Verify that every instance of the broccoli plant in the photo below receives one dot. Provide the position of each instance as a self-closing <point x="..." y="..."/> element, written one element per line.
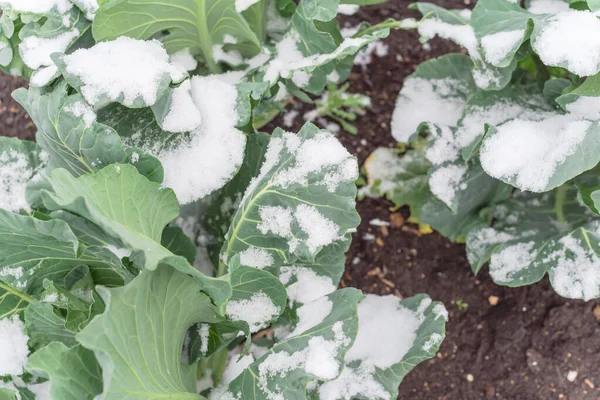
<point x="154" y="243"/>
<point x="505" y="141"/>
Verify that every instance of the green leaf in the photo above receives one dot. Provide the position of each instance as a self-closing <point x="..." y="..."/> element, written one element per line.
<point x="12" y="301"/>
<point x="272" y="220"/>
<point x="589" y="87"/>
<point x="129" y="207"/>
<point x="43" y="326"/>
<point x="534" y="234"/>
<point x="32" y="250"/>
<point x="63" y="366"/>
<point x="422" y="331"/>
<point x="21" y="162"/>
<point x="263" y="380"/>
<point x="68" y="140"/>
<point x="146" y="363"/>
<point x="177" y="242"/>
<point x="194" y="24"/>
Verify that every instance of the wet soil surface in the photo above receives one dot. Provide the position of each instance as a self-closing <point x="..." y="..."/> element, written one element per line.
<point x="502" y="343"/>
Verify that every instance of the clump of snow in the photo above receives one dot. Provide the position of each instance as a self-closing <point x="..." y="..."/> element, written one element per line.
<point x="378" y="222"/>
<point x="257" y="258"/>
<point x="483" y="239"/>
<point x="460" y="34"/>
<point x="257" y="311"/>
<point x="386" y="331"/>
<point x="577" y="270"/>
<point x="547" y="6"/>
<point x="443" y="147"/>
<point x="365" y="56"/>
<point x="382" y="166"/>
<point x="433" y="340"/>
<point x="321" y="231"/>
<point x="125" y="67"/>
<point x="570" y="39"/>
<point x="445" y="181"/>
<point x="184" y="60"/>
<point x="312" y="314"/>
<point x="89" y="7"/>
<point x="42" y="76"/>
<point x="275" y="219"/>
<point x="13" y="342"/>
<point x="84" y="110"/>
<point x="585" y="107"/>
<point x="511" y="260"/>
<point x="15" y="173"/>
<point x="530" y="151"/>
<point x="289" y="118"/>
<point x="35" y="51"/>
<point x="308" y="287"/>
<point x="216" y="149"/>
<point x="498" y="45"/>
<point x="348" y="9"/>
<point x="313" y="155"/>
<point x="421" y="100"/>
<point x="204" y="333"/>
<point x="183" y="115"/>
<point x="39" y="6"/>
<point x="354" y="382"/>
<point x="241" y="5"/>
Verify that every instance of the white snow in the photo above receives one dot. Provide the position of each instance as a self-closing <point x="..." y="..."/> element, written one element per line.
<point x="183" y="115"/>
<point x="460" y="34"/>
<point x="15" y="173"/>
<point x="289" y="118"/>
<point x="84" y="110"/>
<point x="42" y="76"/>
<point x="235" y="367"/>
<point x="378" y="222"/>
<point x="433" y="340"/>
<point x="354" y="382"/>
<point x="321" y="231"/>
<point x="382" y="166"/>
<point x="511" y="260"/>
<point x="571" y="39"/>
<point x="39" y="6"/>
<point x="386" y="331"/>
<point x="365" y="56"/>
<point x="498" y="45"/>
<point x="257" y="311"/>
<point x="89" y="7"/>
<point x="445" y="181"/>
<point x="443" y="147"/>
<point x="308" y="286"/>
<point x="13" y="342"/>
<point x="204" y="332"/>
<point x="313" y="155"/>
<point x="36" y="51"/>
<point x="426" y="100"/>
<point x="184" y="60"/>
<point x="348" y="9"/>
<point x="312" y="314"/>
<point x="241" y="5"/>
<point x="133" y="69"/>
<point x="275" y="219"/>
<point x="216" y="149"/>
<point x="586" y="107"/>
<point x="547" y="6"/>
<point x="257" y="258"/>
<point x="530" y="151"/>
<point x="577" y="271"/>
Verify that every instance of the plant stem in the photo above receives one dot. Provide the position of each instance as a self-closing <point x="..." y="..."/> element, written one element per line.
<point x="392" y="24"/>
<point x="559" y="202"/>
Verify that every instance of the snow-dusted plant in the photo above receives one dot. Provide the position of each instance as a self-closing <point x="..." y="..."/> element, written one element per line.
<point x="110" y="289"/>
<point x="506" y="141"/>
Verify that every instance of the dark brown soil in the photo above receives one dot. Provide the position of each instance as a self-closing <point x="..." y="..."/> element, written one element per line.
<point x="523" y="347"/>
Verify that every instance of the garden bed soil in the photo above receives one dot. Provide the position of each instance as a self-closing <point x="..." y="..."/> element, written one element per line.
<point x="519" y="344"/>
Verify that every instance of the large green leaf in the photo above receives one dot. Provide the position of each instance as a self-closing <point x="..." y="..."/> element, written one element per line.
<point x="300" y="208"/>
<point x="74" y="373"/>
<point x="139" y="339"/>
<point x="285" y="370"/>
<point x="20" y="162"/>
<point x="535" y="234"/>
<point x="32" y="250"/>
<point x="194" y="24"/>
<point x="415" y="329"/>
<point x="128" y="206"/>
<point x="70" y="142"/>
